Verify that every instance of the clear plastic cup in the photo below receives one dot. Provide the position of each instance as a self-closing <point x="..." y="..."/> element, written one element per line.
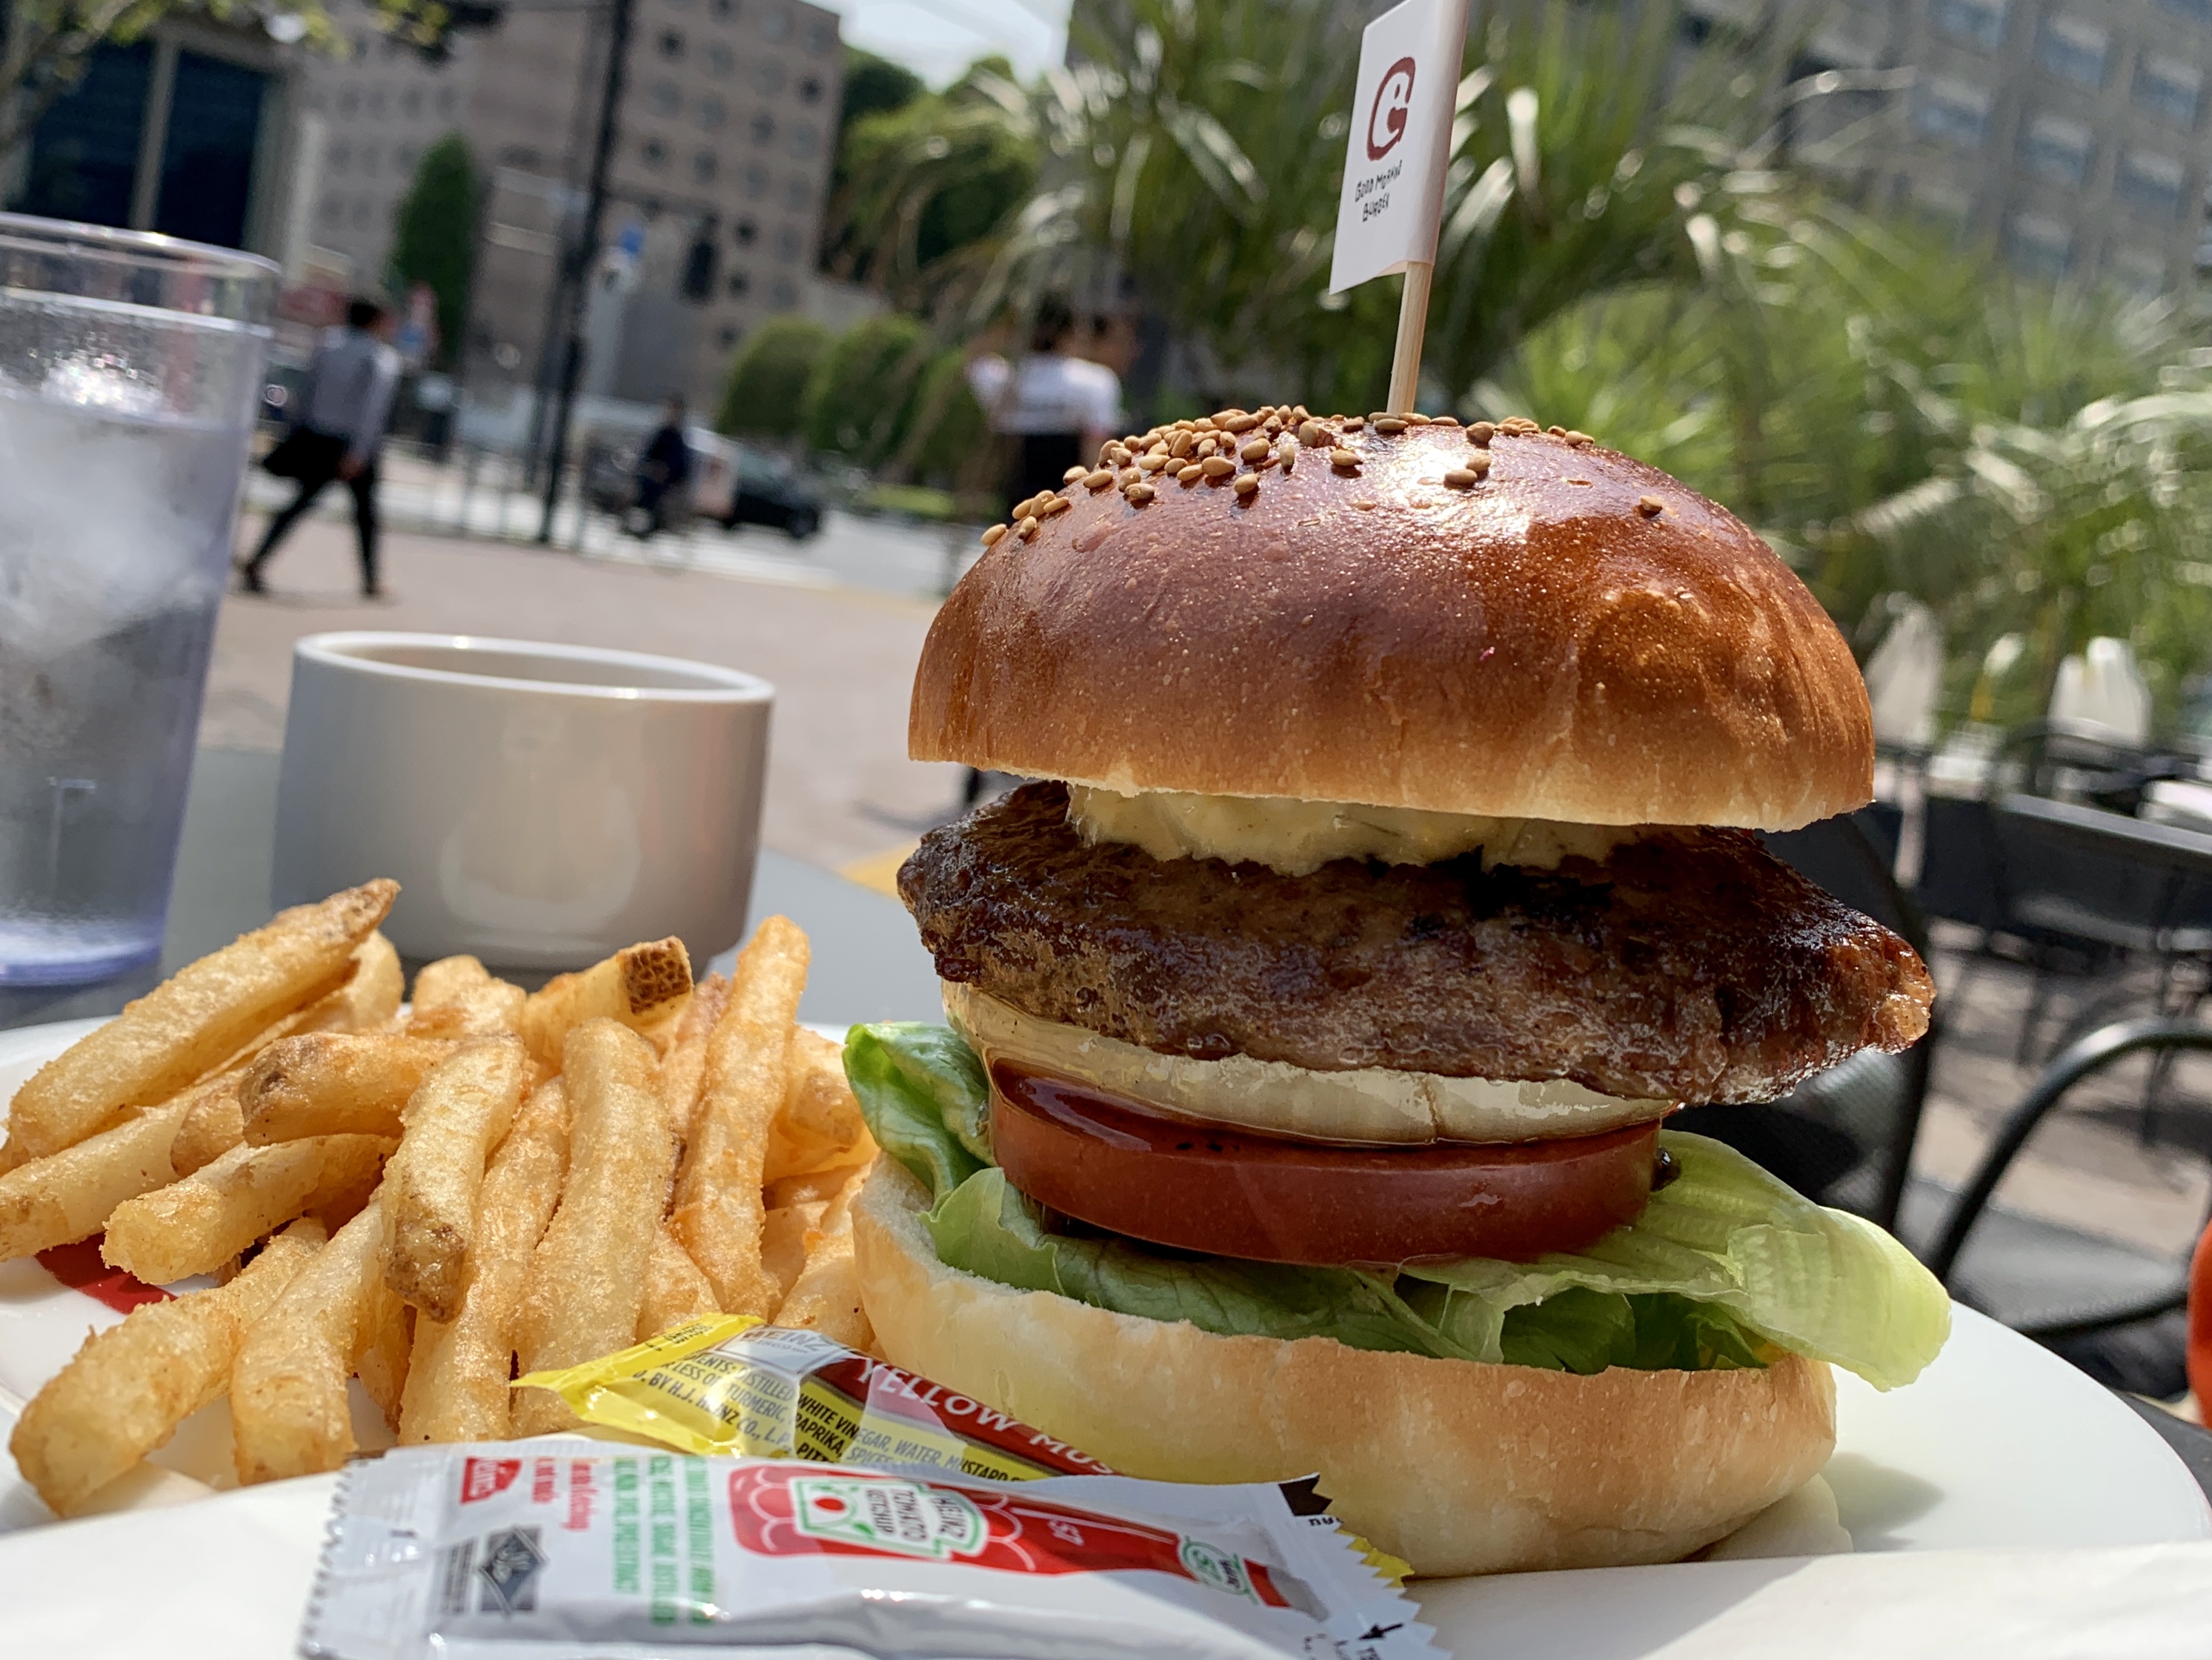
<point x="131" y="369"/>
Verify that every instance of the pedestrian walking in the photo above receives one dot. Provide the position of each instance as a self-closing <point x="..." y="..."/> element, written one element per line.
<point x="664" y="469"/>
<point x="1054" y="407"/>
<point x="343" y="408"/>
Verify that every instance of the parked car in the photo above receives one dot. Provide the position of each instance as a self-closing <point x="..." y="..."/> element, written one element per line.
<point x="731" y="483"/>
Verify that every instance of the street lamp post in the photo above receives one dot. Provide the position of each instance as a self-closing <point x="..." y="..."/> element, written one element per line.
<point x="576" y="273"/>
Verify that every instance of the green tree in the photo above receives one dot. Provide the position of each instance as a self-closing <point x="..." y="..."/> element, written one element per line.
<point x="434" y="236"/>
<point x="860" y="400"/>
<point x="766" y="393"/>
<point x="948" y="440"/>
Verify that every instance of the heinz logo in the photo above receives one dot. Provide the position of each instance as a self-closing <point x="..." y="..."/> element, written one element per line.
<point x="1386" y="120"/>
<point x="482" y="1477"/>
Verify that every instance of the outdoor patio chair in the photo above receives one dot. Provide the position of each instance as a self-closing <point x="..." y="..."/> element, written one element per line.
<point x="1843" y="1136"/>
<point x="2110" y="1305"/>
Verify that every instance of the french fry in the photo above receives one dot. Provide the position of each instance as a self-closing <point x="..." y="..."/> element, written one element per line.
<point x="387" y="1334"/>
<point x="826" y="1297"/>
<point x="288" y="1411"/>
<point x="334" y="1083"/>
<point x="820" y="1126"/>
<point x="196" y="1225"/>
<point x="675" y="1289"/>
<point x="641" y="986"/>
<point x="367" y="1001"/>
<point x="718" y="1215"/>
<point x="458" y="997"/>
<point x="815" y="1187"/>
<point x="131" y="1386"/>
<point x="71" y="1194"/>
<point x="783" y="1241"/>
<point x="457" y="1374"/>
<point x="586" y="1276"/>
<point x="684" y="1065"/>
<point x="195" y="1020"/>
<point x="453" y="1121"/>
<point x="213" y="1124"/>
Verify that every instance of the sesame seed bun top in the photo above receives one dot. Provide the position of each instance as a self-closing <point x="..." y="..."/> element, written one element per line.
<point x="1498" y="621"/>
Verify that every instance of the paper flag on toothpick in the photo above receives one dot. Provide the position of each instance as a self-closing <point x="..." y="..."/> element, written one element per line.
<point x="1400" y="141"/>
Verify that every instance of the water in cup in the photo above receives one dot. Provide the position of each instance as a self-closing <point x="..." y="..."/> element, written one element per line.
<point x="123" y="429"/>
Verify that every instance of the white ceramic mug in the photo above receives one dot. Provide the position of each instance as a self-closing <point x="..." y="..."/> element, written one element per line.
<point x="540" y="805"/>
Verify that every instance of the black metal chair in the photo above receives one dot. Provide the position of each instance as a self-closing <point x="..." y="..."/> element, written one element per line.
<point x="2110" y="1305"/>
<point x="1843" y="1136"/>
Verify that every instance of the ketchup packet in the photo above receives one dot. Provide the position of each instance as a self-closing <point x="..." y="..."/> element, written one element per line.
<point x="573" y="1549"/>
<point x="728" y="1384"/>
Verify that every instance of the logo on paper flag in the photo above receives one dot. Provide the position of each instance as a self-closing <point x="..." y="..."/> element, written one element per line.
<point x="1401" y="140"/>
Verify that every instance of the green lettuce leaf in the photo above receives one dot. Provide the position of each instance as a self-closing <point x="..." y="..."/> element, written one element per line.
<point x="1725" y="1268"/>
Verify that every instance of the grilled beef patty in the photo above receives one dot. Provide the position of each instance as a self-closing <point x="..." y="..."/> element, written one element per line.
<point x="1690" y="965"/>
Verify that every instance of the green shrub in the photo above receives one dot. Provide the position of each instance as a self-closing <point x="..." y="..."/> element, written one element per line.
<point x="863" y="392"/>
<point x="766" y="393"/>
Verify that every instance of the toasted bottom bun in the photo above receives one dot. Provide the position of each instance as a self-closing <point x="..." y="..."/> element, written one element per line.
<point x="1455" y="1466"/>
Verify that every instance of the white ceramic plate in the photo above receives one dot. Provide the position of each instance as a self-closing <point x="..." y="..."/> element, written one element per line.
<point x="1999" y="1443"/>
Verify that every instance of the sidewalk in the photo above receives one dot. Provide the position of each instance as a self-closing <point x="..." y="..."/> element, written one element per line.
<point x="841" y="659"/>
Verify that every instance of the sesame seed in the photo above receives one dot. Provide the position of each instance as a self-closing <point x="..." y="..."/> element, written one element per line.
<point x="1365" y="503"/>
<point x="1151" y="460"/>
<point x="1353" y="422"/>
<point x="1181" y="444"/>
<point x="1482" y="432"/>
<point x="1312" y="433"/>
<point x="1074" y="473"/>
<point x="1477" y="462"/>
<point x="1649" y="505"/>
<point x="1265" y="462"/>
<point x="1098" y="480"/>
<point x="1248" y="486"/>
<point x="1059" y="504"/>
<point x="1027" y="530"/>
<point x="1389" y="425"/>
<point x="1241" y="423"/>
<point x="1217" y="466"/>
<point x="992" y="535"/>
<point x="1581" y="441"/>
<point x="1556" y="432"/>
<point x="1287" y="453"/>
<point x="1138" y="495"/>
<point x="1253" y="449"/>
<point x="1417" y="419"/>
<point x="1206" y="447"/>
<point x="1129" y="476"/>
<point x="1343" y="460"/>
<point x="1191" y="474"/>
<point x="1461" y="478"/>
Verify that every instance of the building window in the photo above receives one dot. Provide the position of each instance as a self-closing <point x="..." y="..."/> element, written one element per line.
<point x="2056" y="149"/>
<point x="1934" y="202"/>
<point x="757" y="180"/>
<point x="713" y="112"/>
<point x="1954" y="112"/>
<point x="703" y="167"/>
<point x="2038" y="245"/>
<point x="741" y="285"/>
<point x="663" y="98"/>
<point x="655" y="154"/>
<point x="775" y="23"/>
<point x="2198" y="12"/>
<point x="333" y="211"/>
<point x="2150" y="184"/>
<point x="410" y="101"/>
<point x="784" y="292"/>
<point x="802" y="140"/>
<point x="360" y="214"/>
<point x="2169" y="87"/>
<point x="797" y="194"/>
<point x="729" y="335"/>
<point x="2138" y="270"/>
<point x="722" y="10"/>
<point x="1977" y="22"/>
<point x="787" y="244"/>
<point x="810" y="90"/>
<point x="763" y="126"/>
<point x="821" y="36"/>
<point x="746" y="232"/>
<point x="719" y="60"/>
<point x="405" y="158"/>
<point x="340" y="156"/>
<point x="767" y="76"/>
<point x="2074" y="50"/>
<point x="671" y="44"/>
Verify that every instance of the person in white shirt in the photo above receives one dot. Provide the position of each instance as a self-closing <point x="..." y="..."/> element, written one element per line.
<point x="1056" y="407"/>
<point x="343" y="408"/>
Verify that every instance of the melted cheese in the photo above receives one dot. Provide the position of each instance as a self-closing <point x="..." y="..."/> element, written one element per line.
<point x="1298" y="838"/>
<point x="1365" y="1105"/>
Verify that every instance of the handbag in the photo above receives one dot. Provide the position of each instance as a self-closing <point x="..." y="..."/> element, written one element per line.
<point x="288" y="460"/>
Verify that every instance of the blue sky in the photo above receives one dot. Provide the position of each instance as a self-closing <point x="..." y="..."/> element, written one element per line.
<point x="938" y="38"/>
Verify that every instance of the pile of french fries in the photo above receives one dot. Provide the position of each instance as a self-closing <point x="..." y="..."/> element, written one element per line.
<point x="433" y="1199"/>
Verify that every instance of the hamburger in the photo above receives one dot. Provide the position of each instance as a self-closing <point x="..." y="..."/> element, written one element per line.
<point x="1387" y="871"/>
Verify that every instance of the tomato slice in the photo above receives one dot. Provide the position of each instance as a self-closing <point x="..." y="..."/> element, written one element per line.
<point x="1117" y="1164"/>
